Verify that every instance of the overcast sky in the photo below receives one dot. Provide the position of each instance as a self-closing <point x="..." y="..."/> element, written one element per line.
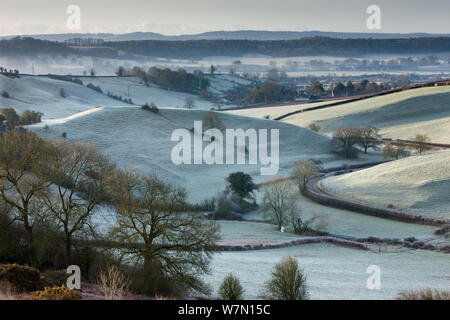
<point x="193" y="16"/>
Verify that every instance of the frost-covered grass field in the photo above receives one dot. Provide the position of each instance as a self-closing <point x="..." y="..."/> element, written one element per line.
<point x="344" y="223"/>
<point x="252" y="233"/>
<point x="43" y="94"/>
<point x="140" y="139"/>
<point x="399" y="115"/>
<point x="140" y="93"/>
<point x="419" y="184"/>
<point x="274" y="112"/>
<point x="335" y="272"/>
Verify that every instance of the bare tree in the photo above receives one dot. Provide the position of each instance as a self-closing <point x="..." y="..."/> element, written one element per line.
<point x="23" y="160"/>
<point x="153" y="229"/>
<point x="345" y="139"/>
<point x="189" y="102"/>
<point x="369" y="138"/>
<point x="303" y="171"/>
<point x="280" y="201"/>
<point x="421" y="143"/>
<point x="80" y="174"/>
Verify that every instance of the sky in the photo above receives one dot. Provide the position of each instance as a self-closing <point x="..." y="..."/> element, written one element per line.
<point x="194" y="16"/>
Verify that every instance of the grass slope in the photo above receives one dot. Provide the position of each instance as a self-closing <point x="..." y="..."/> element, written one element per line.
<point x="43" y="94"/>
<point x="418" y="184"/>
<point x="140" y="139"/>
<point x="398" y="115"/>
<point x="277" y="111"/>
<point x="335" y="272"/>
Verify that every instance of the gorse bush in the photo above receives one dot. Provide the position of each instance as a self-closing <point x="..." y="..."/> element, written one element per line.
<point x="22" y="278"/>
<point x="57" y="293"/>
<point x="288" y="282"/>
<point x="231" y="288"/>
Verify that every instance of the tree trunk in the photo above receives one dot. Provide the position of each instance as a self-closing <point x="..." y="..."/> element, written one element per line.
<point x="68" y="250"/>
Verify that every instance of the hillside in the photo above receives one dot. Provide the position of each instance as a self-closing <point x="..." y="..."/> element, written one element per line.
<point x="318" y="45"/>
<point x="43" y="94"/>
<point x="276" y="111"/>
<point x="398" y="115"/>
<point x="140" y="139"/>
<point x="418" y="184"/>
<point x="232" y="35"/>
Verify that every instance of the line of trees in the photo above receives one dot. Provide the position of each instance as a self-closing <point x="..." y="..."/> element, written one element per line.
<point x="178" y="80"/>
<point x="282" y="48"/>
<point x="270" y="92"/>
<point x="345" y="140"/>
<point x="27" y="46"/>
<point x="13" y="119"/>
<point x="348" y="141"/>
<point x="316" y="90"/>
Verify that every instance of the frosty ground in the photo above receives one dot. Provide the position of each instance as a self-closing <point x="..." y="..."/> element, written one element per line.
<point x="137" y="138"/>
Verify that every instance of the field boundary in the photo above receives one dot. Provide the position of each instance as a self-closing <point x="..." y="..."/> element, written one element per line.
<point x="297" y="242"/>
<point x="318" y="195"/>
<point x="359" y="98"/>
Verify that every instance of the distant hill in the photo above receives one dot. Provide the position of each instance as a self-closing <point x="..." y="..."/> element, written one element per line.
<point x="193" y="49"/>
<point x="230" y="35"/>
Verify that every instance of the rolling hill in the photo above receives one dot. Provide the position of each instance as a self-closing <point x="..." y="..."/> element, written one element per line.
<point x="400" y="115"/>
<point x="41" y="93"/>
<point x="418" y="184"/>
<point x="140" y="139"/>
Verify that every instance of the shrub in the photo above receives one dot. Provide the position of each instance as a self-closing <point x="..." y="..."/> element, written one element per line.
<point x="5" y="94"/>
<point x="12" y="118"/>
<point x="151" y="281"/>
<point x="30" y="117"/>
<point x="57" y="293"/>
<point x="22" y="278"/>
<point x="6" y="291"/>
<point x="231" y="288"/>
<point x="224" y="210"/>
<point x="62" y="93"/>
<point x="94" y="87"/>
<point x="150" y="107"/>
<point x="288" y="282"/>
<point x="395" y="151"/>
<point x="314" y="127"/>
<point x="113" y="284"/>
<point x="424" y="294"/>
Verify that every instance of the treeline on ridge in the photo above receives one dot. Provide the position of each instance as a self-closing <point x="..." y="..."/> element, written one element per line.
<point x="202" y="48"/>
